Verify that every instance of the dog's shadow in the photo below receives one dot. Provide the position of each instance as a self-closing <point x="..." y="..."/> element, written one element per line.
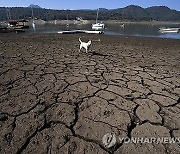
<point x="94" y="53"/>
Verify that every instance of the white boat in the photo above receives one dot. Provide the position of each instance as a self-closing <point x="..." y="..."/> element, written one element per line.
<point x="169" y="30"/>
<point x="97" y="25"/>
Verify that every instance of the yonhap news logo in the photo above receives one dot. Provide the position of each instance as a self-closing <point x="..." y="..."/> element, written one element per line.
<point x="110" y="140"/>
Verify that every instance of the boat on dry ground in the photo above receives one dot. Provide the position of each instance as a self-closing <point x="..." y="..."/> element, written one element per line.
<point x="169" y="30"/>
<point x="80" y="31"/>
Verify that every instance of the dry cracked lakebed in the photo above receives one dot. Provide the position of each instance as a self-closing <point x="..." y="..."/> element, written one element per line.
<point x="56" y="100"/>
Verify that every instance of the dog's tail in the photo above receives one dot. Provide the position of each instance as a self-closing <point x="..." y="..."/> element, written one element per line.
<point x="80" y="40"/>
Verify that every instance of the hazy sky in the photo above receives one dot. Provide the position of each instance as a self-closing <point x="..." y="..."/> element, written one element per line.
<point x="90" y="4"/>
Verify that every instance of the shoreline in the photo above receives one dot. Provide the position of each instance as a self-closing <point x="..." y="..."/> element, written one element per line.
<point x="143" y="22"/>
<point x="151" y="32"/>
<point x="141" y="36"/>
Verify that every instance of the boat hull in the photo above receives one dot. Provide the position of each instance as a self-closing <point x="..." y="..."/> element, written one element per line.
<point x="81" y="31"/>
<point x="169" y="30"/>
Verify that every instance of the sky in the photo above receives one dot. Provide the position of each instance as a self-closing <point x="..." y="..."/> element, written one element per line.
<point x="90" y="4"/>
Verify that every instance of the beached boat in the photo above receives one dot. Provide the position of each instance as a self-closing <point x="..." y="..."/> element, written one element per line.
<point x="80" y="31"/>
<point x="17" y="25"/>
<point x="97" y="25"/>
<point x="12" y="26"/>
<point x="169" y="30"/>
<point x="93" y="32"/>
<point x="70" y="32"/>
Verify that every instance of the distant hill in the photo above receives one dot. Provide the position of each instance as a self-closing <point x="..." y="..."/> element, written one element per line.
<point x="163" y="13"/>
<point x="133" y="12"/>
<point x="34" y="6"/>
<point x="103" y="9"/>
<point x="129" y="13"/>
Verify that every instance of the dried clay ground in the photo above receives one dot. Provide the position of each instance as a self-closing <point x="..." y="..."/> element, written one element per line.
<point x="56" y="100"/>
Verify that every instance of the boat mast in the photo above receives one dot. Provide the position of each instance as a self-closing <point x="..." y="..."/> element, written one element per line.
<point x="97" y="15"/>
<point x="32" y="13"/>
<point x="8" y="14"/>
<point x="67" y="25"/>
<point x="33" y="23"/>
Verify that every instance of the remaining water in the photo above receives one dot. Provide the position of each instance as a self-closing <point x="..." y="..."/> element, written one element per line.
<point x="144" y="30"/>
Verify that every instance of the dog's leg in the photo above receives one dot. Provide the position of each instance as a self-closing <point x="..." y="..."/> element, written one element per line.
<point x="90" y="48"/>
<point x="86" y="49"/>
<point x="80" y="48"/>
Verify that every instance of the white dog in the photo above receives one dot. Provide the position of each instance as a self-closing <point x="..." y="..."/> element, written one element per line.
<point x="84" y="45"/>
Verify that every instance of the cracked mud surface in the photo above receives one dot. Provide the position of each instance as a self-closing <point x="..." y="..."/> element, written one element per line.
<point x="55" y="100"/>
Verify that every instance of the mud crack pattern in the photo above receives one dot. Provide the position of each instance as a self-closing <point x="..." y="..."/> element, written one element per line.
<point x="54" y="99"/>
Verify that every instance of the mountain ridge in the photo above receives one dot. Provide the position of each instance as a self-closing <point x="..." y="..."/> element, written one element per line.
<point x="128" y="13"/>
<point x="34" y="6"/>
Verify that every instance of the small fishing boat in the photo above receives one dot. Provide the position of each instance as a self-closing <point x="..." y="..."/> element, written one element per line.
<point x="169" y="30"/>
